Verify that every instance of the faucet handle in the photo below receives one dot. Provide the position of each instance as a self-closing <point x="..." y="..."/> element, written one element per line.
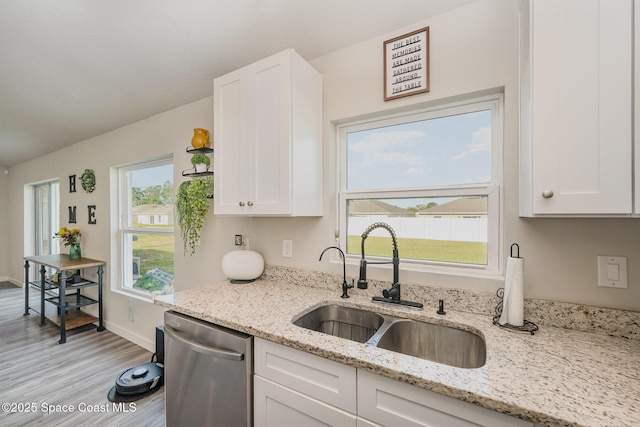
<point x="393" y="292"/>
<point x="346" y="286"/>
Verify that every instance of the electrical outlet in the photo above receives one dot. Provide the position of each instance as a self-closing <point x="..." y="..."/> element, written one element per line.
<point x="287" y="248"/>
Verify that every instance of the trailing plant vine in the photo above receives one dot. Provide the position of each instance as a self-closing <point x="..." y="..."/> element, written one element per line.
<point x="192" y="206"/>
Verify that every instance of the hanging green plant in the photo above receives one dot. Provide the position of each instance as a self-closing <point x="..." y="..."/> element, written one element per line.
<point x="200" y="158"/>
<point x="88" y="180"/>
<point x="192" y="205"/>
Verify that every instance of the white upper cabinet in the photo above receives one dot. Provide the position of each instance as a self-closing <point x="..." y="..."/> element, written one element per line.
<point x="576" y="62"/>
<point x="268" y="139"/>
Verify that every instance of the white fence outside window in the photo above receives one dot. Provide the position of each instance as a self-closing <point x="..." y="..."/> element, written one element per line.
<point x="443" y="228"/>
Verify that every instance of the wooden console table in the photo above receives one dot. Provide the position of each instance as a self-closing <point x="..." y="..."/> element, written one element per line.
<point x="64" y="302"/>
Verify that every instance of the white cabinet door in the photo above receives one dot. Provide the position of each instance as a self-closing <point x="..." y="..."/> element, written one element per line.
<point x="392" y="403"/>
<point x="270" y="98"/>
<point x="326" y="380"/>
<point x="278" y="406"/>
<point x="576" y="140"/>
<point x="230" y="126"/>
<point x="268" y="139"/>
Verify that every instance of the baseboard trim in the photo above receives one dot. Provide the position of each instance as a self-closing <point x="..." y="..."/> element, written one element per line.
<point x="129" y="336"/>
<point x="12" y="280"/>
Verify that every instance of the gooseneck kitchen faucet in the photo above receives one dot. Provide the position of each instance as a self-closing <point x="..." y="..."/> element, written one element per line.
<point x="391" y="295"/>
<point x="345" y="286"/>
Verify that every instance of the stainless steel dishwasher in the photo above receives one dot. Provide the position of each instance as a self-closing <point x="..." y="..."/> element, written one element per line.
<point x="208" y="374"/>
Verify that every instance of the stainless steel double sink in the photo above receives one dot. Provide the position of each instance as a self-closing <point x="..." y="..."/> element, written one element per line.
<point x="438" y="343"/>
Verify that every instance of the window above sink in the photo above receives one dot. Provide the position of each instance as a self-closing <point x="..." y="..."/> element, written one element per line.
<point x="435" y="175"/>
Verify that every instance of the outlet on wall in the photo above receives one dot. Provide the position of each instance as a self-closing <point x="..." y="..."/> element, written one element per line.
<point x="287" y="248"/>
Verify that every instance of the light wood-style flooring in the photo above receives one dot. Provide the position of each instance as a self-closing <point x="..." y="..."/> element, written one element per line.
<point x="38" y="374"/>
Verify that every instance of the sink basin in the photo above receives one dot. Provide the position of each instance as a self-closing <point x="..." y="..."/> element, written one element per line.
<point x="430" y="341"/>
<point x="344" y="322"/>
<point x="438" y="343"/>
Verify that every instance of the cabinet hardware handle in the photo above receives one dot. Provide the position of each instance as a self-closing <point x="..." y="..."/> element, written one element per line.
<point x="241" y="203"/>
<point x="249" y="203"/>
<point x="547" y="194"/>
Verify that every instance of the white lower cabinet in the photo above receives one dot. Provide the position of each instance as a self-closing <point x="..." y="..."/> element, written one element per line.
<point x="279" y="406"/>
<point x="325" y="380"/>
<point x="294" y="388"/>
<point x="393" y="403"/>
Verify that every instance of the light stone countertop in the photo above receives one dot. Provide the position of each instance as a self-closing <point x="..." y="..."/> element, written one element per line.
<point x="555" y="377"/>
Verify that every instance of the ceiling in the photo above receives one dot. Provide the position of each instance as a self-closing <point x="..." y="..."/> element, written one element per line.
<point x="74" y="69"/>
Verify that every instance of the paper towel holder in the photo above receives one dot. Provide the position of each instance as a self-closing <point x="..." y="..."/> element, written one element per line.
<point x="527" y="326"/>
<point x="517" y="250"/>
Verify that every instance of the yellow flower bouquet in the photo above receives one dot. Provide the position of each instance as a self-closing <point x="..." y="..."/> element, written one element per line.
<point x="69" y="237"/>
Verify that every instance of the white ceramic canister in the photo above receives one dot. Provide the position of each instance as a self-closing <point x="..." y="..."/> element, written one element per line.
<point x="242" y="266"/>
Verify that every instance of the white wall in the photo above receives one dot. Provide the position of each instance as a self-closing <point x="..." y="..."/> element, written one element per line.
<point x="169" y="132"/>
<point x="473" y="49"/>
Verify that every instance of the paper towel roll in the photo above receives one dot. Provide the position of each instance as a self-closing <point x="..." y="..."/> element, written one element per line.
<point x="513" y="302"/>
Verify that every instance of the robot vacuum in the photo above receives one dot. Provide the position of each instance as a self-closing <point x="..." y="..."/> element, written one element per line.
<point x="137" y="382"/>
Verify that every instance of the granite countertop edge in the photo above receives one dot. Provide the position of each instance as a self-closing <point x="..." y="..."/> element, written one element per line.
<point x="556" y="377"/>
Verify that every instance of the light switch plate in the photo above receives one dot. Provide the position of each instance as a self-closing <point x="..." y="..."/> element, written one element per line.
<point x="612" y="271"/>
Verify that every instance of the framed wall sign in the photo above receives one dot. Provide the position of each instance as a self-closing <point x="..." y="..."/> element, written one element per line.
<point x="406" y="64"/>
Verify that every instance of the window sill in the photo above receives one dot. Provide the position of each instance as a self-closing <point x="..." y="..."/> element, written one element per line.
<point x="134" y="294"/>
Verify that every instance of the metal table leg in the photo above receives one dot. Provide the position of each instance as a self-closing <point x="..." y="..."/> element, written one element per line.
<point x="43" y="270"/>
<point x="100" y="320"/>
<point x="63" y="307"/>
<point x="26" y="288"/>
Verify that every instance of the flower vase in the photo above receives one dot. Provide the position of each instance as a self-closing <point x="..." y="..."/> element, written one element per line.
<point x="74" y="251"/>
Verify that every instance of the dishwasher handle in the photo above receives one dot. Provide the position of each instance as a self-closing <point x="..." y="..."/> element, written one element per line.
<point x="204" y="349"/>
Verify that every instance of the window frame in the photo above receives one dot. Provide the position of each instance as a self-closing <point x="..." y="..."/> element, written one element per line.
<point x="125" y="217"/>
<point x="52" y="216"/>
<point x="492" y="189"/>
